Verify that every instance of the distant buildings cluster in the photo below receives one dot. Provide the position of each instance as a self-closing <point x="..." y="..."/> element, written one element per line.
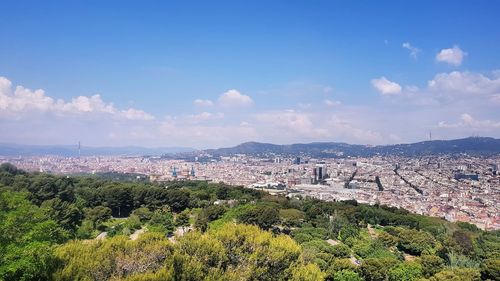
<point x="458" y="188"/>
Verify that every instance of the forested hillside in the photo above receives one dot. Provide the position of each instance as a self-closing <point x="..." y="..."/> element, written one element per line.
<point x="471" y="145"/>
<point x="83" y="228"/>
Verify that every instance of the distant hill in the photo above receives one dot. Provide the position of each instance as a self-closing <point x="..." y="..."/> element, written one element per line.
<point x="72" y="150"/>
<point x="472" y="145"/>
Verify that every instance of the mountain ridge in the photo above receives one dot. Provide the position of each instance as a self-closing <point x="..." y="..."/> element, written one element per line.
<point x="471" y="145"/>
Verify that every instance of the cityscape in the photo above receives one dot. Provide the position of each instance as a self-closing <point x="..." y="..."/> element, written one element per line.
<point x="455" y="187"/>
<point x="223" y="140"/>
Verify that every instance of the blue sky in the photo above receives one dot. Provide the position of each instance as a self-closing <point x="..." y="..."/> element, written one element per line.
<point x="216" y="73"/>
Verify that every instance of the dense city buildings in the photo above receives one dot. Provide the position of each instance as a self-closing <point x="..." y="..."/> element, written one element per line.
<point x="455" y="187"/>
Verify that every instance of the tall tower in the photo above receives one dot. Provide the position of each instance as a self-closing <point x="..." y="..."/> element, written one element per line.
<point x="174" y="172"/>
<point x="79" y="149"/>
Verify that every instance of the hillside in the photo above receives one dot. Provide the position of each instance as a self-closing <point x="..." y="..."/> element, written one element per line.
<point x="80" y="228"/>
<point x="472" y="145"/>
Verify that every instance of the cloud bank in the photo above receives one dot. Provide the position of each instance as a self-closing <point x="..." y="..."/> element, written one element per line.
<point x="450" y="104"/>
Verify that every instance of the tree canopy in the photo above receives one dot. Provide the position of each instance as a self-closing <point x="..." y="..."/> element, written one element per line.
<point x="89" y="228"/>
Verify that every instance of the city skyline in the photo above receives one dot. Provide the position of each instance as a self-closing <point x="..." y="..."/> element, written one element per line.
<point x="219" y="74"/>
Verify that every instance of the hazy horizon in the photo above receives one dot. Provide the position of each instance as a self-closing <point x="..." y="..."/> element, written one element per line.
<point x="210" y="75"/>
<point x="229" y="146"/>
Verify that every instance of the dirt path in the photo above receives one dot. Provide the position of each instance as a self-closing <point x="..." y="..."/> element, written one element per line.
<point x="137" y="233"/>
<point x="371" y="231"/>
<point x="101" y="236"/>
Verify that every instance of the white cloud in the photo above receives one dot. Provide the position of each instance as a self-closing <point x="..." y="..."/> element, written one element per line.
<point x="454" y="88"/>
<point x="290" y="126"/>
<point x="466" y="120"/>
<point x="205" y="116"/>
<point x="413" y="50"/>
<point x="201" y="102"/>
<point x="25" y="102"/>
<point x="205" y="136"/>
<point x="288" y="121"/>
<point x="25" y="99"/>
<point x="386" y="87"/>
<point x="453" y="56"/>
<point x="233" y="98"/>
<point x="31" y="115"/>
<point x="331" y="103"/>
<point x="344" y="129"/>
<point x="5" y="85"/>
<point x="85" y="104"/>
<point x="136" y="114"/>
<point x="428" y="107"/>
<point x="465" y="83"/>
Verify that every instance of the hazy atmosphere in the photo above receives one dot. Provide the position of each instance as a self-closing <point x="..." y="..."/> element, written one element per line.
<point x="297" y="140"/>
<point x="164" y="74"/>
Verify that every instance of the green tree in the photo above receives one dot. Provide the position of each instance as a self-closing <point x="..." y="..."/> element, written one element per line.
<point x="118" y="198"/>
<point x="374" y="269"/>
<point x="336" y="224"/>
<point x="116" y="257"/>
<point x="462" y="243"/>
<point x="45" y="187"/>
<point x="223" y="192"/>
<point x="208" y="214"/>
<point x="491" y="269"/>
<point x="182" y="219"/>
<point x="431" y="264"/>
<point x="405" y="272"/>
<point x="198" y="255"/>
<point x="310" y="272"/>
<point x="348" y="231"/>
<point x="291" y="217"/>
<point x="457" y="274"/>
<point x="459" y="260"/>
<point x="30" y="261"/>
<point x="9" y="168"/>
<point x="414" y="241"/>
<point x="347" y="275"/>
<point x="162" y="220"/>
<point x="26" y="236"/>
<point x="64" y="213"/>
<point x="263" y="216"/>
<point x="178" y="200"/>
<point x="85" y="230"/>
<point x="98" y="215"/>
<point x="144" y="214"/>
<point x="339" y="265"/>
<point x="132" y="223"/>
<point x="387" y="239"/>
